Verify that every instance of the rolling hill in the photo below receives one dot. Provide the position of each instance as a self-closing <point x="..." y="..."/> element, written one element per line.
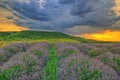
<point x="38" y="35"/>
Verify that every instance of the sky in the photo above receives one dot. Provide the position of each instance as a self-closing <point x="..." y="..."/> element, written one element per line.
<point x="92" y="19"/>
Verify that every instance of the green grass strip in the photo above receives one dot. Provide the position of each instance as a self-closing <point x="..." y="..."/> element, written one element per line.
<point x="50" y="70"/>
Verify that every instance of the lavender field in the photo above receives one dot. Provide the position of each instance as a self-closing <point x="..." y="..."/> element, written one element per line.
<point x="60" y="61"/>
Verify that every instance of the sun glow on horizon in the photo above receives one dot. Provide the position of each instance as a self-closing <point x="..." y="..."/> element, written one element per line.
<point x="107" y="35"/>
<point x="11" y="27"/>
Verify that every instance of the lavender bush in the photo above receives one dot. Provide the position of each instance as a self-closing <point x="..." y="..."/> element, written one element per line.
<point x="12" y="49"/>
<point x="65" y="50"/>
<point x="112" y="60"/>
<point x="85" y="47"/>
<point x="22" y="64"/>
<point x="27" y="65"/>
<point x="39" y="49"/>
<point x="97" y="52"/>
<point x="60" y="61"/>
<point x="80" y="67"/>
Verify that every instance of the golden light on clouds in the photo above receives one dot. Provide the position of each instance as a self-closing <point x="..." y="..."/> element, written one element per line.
<point x="107" y="35"/>
<point x="8" y="24"/>
<point x="116" y="8"/>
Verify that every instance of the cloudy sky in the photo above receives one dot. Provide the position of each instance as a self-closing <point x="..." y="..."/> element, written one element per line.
<point x="86" y="17"/>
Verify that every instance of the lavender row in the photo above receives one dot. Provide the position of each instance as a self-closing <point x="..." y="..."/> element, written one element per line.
<point x="27" y="65"/>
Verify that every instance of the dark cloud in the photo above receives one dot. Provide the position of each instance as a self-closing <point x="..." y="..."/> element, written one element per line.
<point x="10" y="17"/>
<point x="64" y="2"/>
<point x="82" y="8"/>
<point x="31" y="11"/>
<point x="62" y="14"/>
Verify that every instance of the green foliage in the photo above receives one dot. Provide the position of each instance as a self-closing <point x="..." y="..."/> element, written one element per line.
<point x="96" y="74"/>
<point x="67" y="53"/>
<point x="11" y="72"/>
<point x="116" y="65"/>
<point x="30" y="62"/>
<point x="86" y="75"/>
<point x="2" y="59"/>
<point x="95" y="52"/>
<point x="38" y="52"/>
<point x="83" y="72"/>
<point x="50" y="70"/>
<point x="117" y="61"/>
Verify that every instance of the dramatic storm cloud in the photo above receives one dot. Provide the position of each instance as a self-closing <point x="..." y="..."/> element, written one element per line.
<point x="71" y="16"/>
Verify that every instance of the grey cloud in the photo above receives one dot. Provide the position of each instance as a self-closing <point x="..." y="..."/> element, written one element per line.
<point x="64" y="2"/>
<point x="62" y="15"/>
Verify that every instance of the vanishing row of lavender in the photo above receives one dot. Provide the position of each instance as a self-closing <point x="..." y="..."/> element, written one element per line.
<point x="74" y="61"/>
<point x="108" y="53"/>
<point x="25" y="61"/>
<point x="86" y="62"/>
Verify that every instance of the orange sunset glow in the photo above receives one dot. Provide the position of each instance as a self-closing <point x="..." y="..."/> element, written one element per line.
<point x="8" y="24"/>
<point x="107" y="35"/>
<point x="11" y="27"/>
<point x="116" y="8"/>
